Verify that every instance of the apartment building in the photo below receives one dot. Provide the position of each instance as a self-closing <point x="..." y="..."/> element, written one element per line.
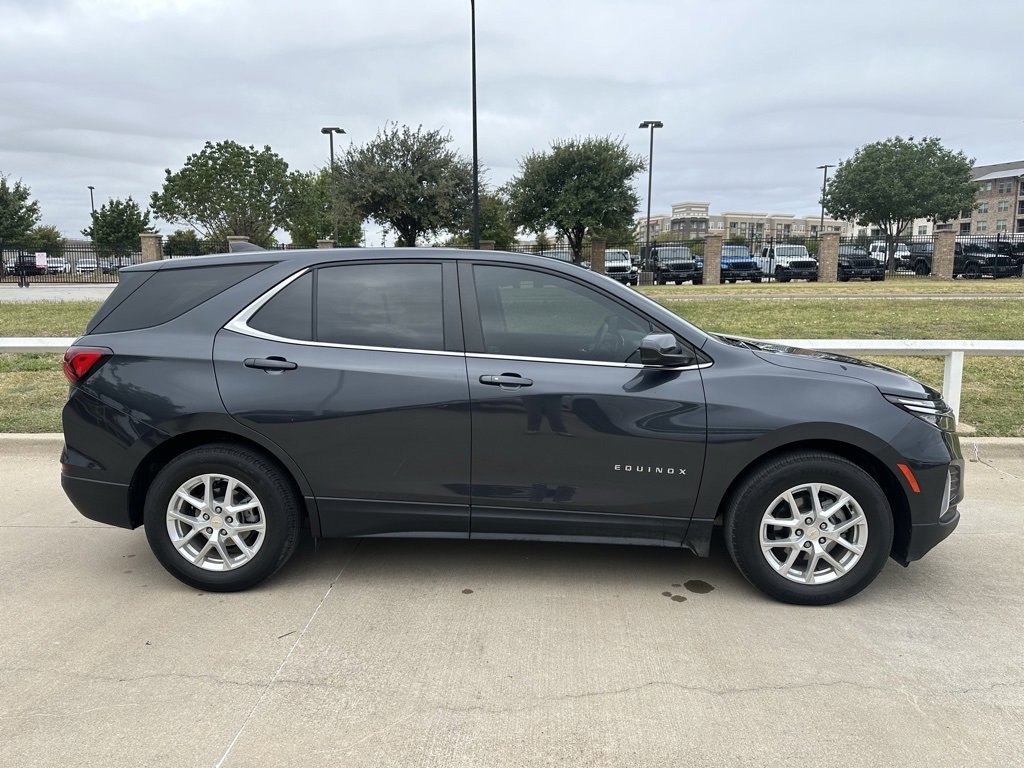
<point x="693" y="219"/>
<point x="998" y="207"/>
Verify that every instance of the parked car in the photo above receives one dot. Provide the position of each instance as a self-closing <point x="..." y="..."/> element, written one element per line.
<point x="972" y="259"/>
<point x="86" y="265"/>
<point x="57" y="265"/>
<point x="618" y="265"/>
<point x="738" y="264"/>
<point x="1014" y="249"/>
<point x="428" y="393"/>
<point x="900" y="257"/>
<point x="22" y="263"/>
<point x="676" y="264"/>
<point x="788" y="262"/>
<point x="855" y="262"/>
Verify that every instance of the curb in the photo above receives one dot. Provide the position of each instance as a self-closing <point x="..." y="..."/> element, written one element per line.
<point x="13" y="441"/>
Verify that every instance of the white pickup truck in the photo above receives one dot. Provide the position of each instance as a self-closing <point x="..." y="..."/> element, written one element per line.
<point x="787" y="262"/>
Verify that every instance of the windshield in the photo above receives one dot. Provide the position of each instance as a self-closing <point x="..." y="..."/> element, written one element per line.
<point x="616" y="257"/>
<point x="735" y="252"/>
<point x="790" y="250"/>
<point x="678" y="253"/>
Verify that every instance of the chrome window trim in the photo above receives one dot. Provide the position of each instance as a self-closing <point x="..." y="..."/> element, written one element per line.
<point x="603" y="363"/>
<point x="240" y="324"/>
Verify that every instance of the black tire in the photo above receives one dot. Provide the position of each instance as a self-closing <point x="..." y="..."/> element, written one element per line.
<point x="972" y="271"/>
<point x="766" y="482"/>
<point x="281" y="510"/>
<point x="756" y="280"/>
<point x="877" y="278"/>
<point x="843" y="278"/>
<point x="781" y="276"/>
<point x="698" y="281"/>
<point x="921" y="269"/>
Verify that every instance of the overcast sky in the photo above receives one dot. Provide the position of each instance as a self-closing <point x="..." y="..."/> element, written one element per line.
<point x="754" y="94"/>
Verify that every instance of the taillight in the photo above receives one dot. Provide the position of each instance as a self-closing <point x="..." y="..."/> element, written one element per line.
<point x="79" y="362"/>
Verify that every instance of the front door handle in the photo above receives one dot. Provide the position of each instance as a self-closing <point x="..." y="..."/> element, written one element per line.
<point x="270" y="363"/>
<point x="506" y="380"/>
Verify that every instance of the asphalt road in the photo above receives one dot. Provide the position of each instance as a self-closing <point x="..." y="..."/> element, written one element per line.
<point x="431" y="653"/>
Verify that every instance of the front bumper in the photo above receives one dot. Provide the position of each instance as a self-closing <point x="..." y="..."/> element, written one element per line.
<point x="626" y="278"/>
<point x="680" y="276"/>
<point x="798" y="273"/>
<point x="862" y="272"/>
<point x="741" y="274"/>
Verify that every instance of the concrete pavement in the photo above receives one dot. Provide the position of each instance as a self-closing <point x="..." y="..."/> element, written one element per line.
<point x="433" y="653"/>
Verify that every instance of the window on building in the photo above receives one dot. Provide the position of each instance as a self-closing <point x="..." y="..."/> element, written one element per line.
<point x="922" y="229"/>
<point x="1003" y="206"/>
<point x="981" y="226"/>
<point x="1004" y="186"/>
<point x="1000" y="225"/>
<point x="965" y="228"/>
<point x="982" y="208"/>
<point x="985" y="187"/>
<point x="945" y="227"/>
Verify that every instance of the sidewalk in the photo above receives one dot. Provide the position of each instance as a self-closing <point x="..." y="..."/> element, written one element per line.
<point x="10" y="292"/>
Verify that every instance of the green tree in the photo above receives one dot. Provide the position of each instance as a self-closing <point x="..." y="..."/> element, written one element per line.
<point x="579" y="186"/>
<point x="116" y="227"/>
<point x="226" y="189"/>
<point x="183" y="242"/>
<point x="45" y="237"/>
<point x="495" y="223"/>
<point x="412" y="181"/>
<point x="889" y="183"/>
<point x="309" y="212"/>
<point x="18" y="211"/>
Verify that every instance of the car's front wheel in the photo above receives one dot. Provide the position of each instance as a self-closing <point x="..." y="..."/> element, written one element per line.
<point x="222" y="518"/>
<point x="809" y="528"/>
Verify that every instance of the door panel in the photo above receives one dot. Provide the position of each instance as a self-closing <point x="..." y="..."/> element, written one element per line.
<point x="623" y="442"/>
<point x="364" y="426"/>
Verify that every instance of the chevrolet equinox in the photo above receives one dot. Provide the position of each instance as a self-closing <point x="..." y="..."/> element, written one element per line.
<point x="226" y="402"/>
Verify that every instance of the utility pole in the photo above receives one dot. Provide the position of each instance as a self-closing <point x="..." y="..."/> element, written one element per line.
<point x="824" y="182"/>
<point x="652" y="124"/>
<point x="330" y="131"/>
<point x="476" y="158"/>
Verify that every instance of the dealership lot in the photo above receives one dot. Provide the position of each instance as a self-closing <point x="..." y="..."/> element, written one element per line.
<point x="403" y="653"/>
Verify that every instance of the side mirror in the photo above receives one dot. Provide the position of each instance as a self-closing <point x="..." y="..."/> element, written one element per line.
<point x="663" y="351"/>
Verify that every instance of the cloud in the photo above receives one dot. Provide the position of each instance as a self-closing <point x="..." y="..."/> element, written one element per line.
<point x="754" y="94"/>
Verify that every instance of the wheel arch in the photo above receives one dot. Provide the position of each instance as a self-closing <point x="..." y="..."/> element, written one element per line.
<point x="159" y="456"/>
<point x="869" y="462"/>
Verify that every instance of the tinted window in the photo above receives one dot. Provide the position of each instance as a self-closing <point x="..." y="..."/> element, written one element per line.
<point x="534" y="314"/>
<point x="172" y="292"/>
<point x="289" y="313"/>
<point x="381" y="305"/>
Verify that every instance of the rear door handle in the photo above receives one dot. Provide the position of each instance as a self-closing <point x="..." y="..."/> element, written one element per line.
<point x="506" y="380"/>
<point x="270" y="363"/>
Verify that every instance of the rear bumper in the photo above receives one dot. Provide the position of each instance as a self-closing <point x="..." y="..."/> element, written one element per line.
<point x="98" y="500"/>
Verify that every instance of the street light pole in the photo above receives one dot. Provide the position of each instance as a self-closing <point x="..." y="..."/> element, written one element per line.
<point x="330" y="131"/>
<point x="92" y="202"/>
<point x="476" y="158"/>
<point x="652" y="124"/>
<point x="824" y="182"/>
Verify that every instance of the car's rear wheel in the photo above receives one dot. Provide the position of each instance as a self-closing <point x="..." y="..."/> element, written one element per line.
<point x="921" y="269"/>
<point x="809" y="528"/>
<point x="972" y="271"/>
<point x="222" y="518"/>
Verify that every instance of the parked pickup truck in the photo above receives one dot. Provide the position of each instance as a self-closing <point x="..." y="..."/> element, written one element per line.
<point x="618" y="265"/>
<point x="788" y="262"/>
<point x="738" y="264"/>
<point x="855" y="262"/>
<point x="971" y="260"/>
<point x="676" y="264"/>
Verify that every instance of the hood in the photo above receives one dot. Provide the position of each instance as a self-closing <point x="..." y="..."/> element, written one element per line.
<point x="889" y="381"/>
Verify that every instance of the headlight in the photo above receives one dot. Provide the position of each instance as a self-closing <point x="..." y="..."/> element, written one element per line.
<point x="931" y="410"/>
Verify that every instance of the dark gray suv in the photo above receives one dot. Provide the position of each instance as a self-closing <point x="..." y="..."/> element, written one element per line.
<point x="225" y="403"/>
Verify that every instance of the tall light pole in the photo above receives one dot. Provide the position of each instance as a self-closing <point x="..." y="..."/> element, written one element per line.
<point x="476" y="158"/>
<point x="652" y="124"/>
<point x="824" y="182"/>
<point x="330" y="131"/>
<point x="92" y="202"/>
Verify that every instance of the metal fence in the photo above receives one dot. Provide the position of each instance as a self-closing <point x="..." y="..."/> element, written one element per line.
<point x="63" y="262"/>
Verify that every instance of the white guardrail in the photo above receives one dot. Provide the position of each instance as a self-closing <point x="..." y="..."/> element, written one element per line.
<point x="952" y="350"/>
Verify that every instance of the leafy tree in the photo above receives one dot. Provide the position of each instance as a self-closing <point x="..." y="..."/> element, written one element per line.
<point x="45" y="237"/>
<point x="309" y="212"/>
<point x="579" y="186"/>
<point x="890" y="183"/>
<point x="411" y="181"/>
<point x="495" y="223"/>
<point x="226" y="189"/>
<point x="542" y="241"/>
<point x="116" y="227"/>
<point x="183" y="242"/>
<point x="18" y="212"/>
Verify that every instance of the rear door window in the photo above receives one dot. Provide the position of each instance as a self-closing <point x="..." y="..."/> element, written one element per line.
<point x="381" y="305"/>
